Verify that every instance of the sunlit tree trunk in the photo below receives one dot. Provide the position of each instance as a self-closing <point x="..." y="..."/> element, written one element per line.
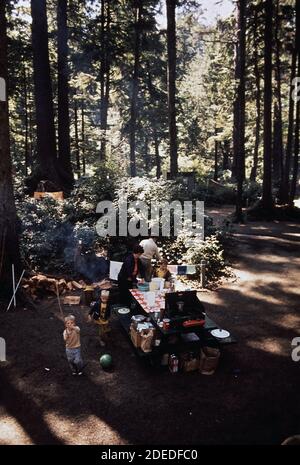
<point x="76" y="137"/>
<point x="216" y="161"/>
<point x="278" y="142"/>
<point x="83" y="139"/>
<point x="157" y="155"/>
<point x="239" y="107"/>
<point x="267" y="199"/>
<point x="257" y="100"/>
<point x="27" y="153"/>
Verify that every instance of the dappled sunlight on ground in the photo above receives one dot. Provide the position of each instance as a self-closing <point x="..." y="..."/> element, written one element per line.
<point x="273" y="346"/>
<point x="11" y="432"/>
<point x="82" y="430"/>
<point x="290" y="322"/>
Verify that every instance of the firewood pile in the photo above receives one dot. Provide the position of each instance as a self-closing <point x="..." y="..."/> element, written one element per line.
<point x="40" y="285"/>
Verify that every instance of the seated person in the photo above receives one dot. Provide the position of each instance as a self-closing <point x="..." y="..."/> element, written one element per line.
<point x="162" y="271"/>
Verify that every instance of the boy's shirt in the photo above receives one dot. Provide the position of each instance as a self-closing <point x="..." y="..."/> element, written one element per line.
<point x="72" y="338"/>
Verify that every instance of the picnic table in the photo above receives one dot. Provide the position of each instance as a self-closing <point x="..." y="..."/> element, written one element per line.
<point x="205" y="338"/>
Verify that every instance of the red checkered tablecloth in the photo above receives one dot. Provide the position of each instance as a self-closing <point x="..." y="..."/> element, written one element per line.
<point x="141" y="299"/>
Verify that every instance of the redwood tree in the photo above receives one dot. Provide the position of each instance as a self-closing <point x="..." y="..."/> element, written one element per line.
<point x="135" y="85"/>
<point x="46" y="143"/>
<point x="64" y="151"/>
<point x="239" y="106"/>
<point x="104" y="72"/>
<point x="277" y="137"/>
<point x="9" y="249"/>
<point x="297" y="125"/>
<point x="267" y="199"/>
<point x="171" y="41"/>
<point x="257" y="98"/>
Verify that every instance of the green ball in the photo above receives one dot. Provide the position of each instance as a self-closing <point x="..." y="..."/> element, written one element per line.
<point x="106" y="361"/>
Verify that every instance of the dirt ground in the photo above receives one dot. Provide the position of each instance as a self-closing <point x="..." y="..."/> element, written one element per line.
<point x="251" y="399"/>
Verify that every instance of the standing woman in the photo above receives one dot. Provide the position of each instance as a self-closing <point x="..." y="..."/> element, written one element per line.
<point x="131" y="268"/>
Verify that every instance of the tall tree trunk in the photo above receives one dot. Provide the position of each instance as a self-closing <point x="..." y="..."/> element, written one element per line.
<point x="30" y="126"/>
<point x="64" y="145"/>
<point x="216" y="161"/>
<point x="297" y="124"/>
<point x="135" y="85"/>
<point x="9" y="246"/>
<point x="46" y="143"/>
<point x="102" y="78"/>
<point x="285" y="183"/>
<point x="26" y="123"/>
<point x="154" y="131"/>
<point x="171" y="42"/>
<point x="157" y="156"/>
<point x="77" y="150"/>
<point x="267" y="200"/>
<point x="257" y="100"/>
<point x="239" y="107"/>
<point x="146" y="154"/>
<point x="278" y="142"/>
<point x="104" y="73"/>
<point x="225" y="152"/>
<point x="83" y="139"/>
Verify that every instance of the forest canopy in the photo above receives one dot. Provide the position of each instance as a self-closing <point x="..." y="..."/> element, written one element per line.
<point x="102" y="88"/>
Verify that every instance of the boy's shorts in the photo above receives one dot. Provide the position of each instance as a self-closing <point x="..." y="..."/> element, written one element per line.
<point x="103" y="328"/>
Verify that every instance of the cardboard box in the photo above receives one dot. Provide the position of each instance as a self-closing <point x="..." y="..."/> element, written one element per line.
<point x="135" y="337"/>
<point x="191" y="365"/>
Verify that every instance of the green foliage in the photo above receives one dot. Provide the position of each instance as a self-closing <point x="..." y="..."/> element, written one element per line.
<point x="88" y="191"/>
<point x="252" y="193"/>
<point x="181" y="251"/>
<point x="44" y="231"/>
<point x="212" y="252"/>
<point x="51" y="230"/>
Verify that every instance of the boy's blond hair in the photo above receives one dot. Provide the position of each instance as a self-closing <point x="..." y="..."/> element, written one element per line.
<point x="70" y="318"/>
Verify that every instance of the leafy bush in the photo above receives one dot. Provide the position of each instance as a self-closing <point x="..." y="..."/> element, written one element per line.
<point x="88" y="191"/>
<point x="211" y="251"/>
<point x="44" y="230"/>
<point x="180" y="251"/>
<point x="215" y="193"/>
<point x="252" y="192"/>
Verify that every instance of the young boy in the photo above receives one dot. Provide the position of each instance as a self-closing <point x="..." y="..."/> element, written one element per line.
<point x="73" y="348"/>
<point x="100" y="313"/>
<point x="162" y="271"/>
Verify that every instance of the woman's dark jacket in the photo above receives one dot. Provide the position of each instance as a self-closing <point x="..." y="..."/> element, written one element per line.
<point x="128" y="268"/>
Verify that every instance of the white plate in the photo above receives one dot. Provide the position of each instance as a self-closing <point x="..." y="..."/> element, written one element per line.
<point x="123" y="311"/>
<point x="220" y="333"/>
